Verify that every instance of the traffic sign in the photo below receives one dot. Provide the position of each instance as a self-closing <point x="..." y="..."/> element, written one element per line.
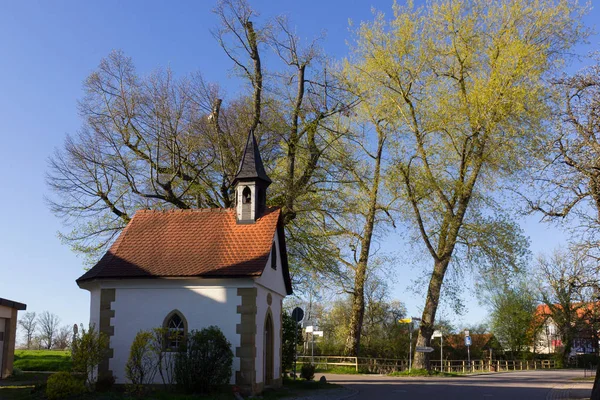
<point x="297" y="314"/>
<point x="436" y="334"/>
<point x="424" y="349"/>
<point x="467" y="341"/>
<point x="405" y="320"/>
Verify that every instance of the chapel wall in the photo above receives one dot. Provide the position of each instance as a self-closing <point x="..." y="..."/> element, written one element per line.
<point x="142" y="308"/>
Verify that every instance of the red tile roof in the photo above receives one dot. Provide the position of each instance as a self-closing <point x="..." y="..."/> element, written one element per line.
<point x="582" y="310"/>
<point x="191" y="243"/>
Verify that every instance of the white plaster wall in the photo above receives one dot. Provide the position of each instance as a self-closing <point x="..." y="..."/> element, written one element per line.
<point x="5" y="312"/>
<point x="261" y="315"/>
<point x="142" y="305"/>
<point x="273" y="278"/>
<point x="95" y="306"/>
<point x="271" y="281"/>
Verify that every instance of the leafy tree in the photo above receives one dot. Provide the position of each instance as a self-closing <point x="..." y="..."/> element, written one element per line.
<point x="28" y="323"/>
<point x="461" y="86"/>
<point x="514" y="321"/>
<point x="381" y="336"/>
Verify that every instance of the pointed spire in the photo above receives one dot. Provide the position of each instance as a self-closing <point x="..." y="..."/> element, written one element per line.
<point x="251" y="166"/>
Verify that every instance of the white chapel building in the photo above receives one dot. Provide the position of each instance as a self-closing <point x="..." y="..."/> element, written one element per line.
<point x="189" y="269"/>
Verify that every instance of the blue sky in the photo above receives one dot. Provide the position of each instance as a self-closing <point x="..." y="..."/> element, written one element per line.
<point x="48" y="48"/>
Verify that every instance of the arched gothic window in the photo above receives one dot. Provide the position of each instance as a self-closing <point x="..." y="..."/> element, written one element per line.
<point x="175" y="330"/>
<point x="246" y="196"/>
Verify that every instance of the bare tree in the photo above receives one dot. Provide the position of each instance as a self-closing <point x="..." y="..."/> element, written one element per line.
<point x="564" y="287"/>
<point x="63" y="338"/>
<point x="28" y="323"/>
<point x="48" y="328"/>
<point x="160" y="142"/>
<point x="568" y="179"/>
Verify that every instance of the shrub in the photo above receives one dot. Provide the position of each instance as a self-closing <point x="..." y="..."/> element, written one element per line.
<point x="165" y="361"/>
<point x="62" y="384"/>
<point x="89" y="348"/>
<point x="204" y="362"/>
<point x="291" y="338"/>
<point x="141" y="365"/>
<point x="307" y="372"/>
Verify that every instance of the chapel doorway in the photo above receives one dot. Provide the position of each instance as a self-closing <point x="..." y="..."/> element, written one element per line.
<point x="268" y="351"/>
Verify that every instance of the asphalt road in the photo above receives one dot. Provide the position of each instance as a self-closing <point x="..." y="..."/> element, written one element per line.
<point x="522" y="385"/>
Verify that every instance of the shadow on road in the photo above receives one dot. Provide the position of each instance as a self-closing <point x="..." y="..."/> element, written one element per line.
<point x="527" y="385"/>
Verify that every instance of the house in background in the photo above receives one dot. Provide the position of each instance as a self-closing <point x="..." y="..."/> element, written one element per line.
<point x="483" y="346"/>
<point x="549" y="337"/>
<point x="189" y="269"/>
<point x="8" y="334"/>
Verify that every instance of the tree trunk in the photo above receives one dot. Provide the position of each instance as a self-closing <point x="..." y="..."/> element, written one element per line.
<point x="358" y="312"/>
<point x="358" y="295"/>
<point x="421" y="360"/>
<point x="596" y="389"/>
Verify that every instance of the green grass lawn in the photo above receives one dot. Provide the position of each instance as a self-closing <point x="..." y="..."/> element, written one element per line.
<point x="339" y="370"/>
<point x="42" y="360"/>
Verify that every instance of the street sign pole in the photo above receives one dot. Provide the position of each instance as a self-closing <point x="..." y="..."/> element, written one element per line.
<point x="410" y="346"/>
<point x="469" y="356"/>
<point x="468" y="344"/>
<point x="409" y="321"/>
<point x="312" y="348"/>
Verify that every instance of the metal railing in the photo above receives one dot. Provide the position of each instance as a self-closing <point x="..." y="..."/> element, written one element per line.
<point x="589" y="370"/>
<point x="389" y="365"/>
<point x="463" y="366"/>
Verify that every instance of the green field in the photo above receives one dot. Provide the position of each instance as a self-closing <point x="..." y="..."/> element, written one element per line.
<point x="42" y="360"/>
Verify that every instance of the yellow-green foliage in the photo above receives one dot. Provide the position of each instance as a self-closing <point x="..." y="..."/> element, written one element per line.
<point x="62" y="385"/>
<point x="141" y="365"/>
<point x="89" y="348"/>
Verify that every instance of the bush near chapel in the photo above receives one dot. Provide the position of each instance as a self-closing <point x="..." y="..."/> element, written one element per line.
<point x="204" y="362"/>
<point x="62" y="385"/>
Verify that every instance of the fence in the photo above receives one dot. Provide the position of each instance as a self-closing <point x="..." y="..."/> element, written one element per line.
<point x="589" y="370"/>
<point x="491" y="366"/>
<point x="388" y="365"/>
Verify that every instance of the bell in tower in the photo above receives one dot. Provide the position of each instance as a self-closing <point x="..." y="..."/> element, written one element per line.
<point x="251" y="183"/>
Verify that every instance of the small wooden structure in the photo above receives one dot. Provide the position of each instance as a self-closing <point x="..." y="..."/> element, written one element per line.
<point x="8" y="333"/>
